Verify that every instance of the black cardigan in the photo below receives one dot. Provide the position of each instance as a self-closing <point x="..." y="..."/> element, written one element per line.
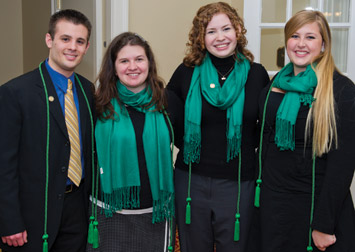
<point x="213" y="159"/>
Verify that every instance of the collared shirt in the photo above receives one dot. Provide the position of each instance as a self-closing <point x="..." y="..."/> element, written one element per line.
<point x="61" y="84"/>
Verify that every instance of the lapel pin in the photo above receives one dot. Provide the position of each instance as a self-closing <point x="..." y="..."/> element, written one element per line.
<point x="51" y="98"/>
<point x="212" y="85"/>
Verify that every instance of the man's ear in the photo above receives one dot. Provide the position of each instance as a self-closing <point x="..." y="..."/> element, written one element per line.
<point x="48" y="40"/>
<point x="87" y="47"/>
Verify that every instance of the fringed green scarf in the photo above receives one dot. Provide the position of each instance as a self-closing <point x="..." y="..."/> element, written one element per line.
<point x="118" y="158"/>
<point x="229" y="97"/>
<point x="299" y="90"/>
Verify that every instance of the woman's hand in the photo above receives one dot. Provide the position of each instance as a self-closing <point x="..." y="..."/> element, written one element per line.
<point x="322" y="240"/>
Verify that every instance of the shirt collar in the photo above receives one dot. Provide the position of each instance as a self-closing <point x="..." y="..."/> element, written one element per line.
<point x="58" y="79"/>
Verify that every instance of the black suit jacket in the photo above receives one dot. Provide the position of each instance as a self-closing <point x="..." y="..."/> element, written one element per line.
<point x="23" y="128"/>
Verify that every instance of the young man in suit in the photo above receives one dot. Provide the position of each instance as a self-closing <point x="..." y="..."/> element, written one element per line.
<point x="45" y="168"/>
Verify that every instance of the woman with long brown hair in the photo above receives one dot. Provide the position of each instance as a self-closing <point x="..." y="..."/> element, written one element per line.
<point x="133" y="139"/>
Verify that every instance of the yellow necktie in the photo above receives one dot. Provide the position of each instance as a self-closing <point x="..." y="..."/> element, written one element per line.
<point x="71" y="120"/>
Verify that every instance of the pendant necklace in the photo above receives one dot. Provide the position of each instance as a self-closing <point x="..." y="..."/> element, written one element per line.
<point x="224" y="75"/>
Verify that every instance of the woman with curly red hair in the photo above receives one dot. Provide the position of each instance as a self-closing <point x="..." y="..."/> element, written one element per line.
<point x="215" y="168"/>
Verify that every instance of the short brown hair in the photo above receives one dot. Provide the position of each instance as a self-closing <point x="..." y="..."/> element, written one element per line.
<point x="70" y="15"/>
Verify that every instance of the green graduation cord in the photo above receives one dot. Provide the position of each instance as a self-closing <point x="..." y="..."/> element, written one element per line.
<point x="171" y="247"/>
<point x="93" y="234"/>
<point x="309" y="247"/>
<point x="237" y="215"/>
<point x="258" y="181"/>
<point x="188" y="199"/>
<point x="45" y="234"/>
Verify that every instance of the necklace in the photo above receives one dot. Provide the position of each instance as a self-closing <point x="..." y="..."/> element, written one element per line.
<point x="224" y="75"/>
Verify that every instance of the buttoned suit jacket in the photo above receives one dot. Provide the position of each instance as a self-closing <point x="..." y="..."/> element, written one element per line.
<point x="23" y="131"/>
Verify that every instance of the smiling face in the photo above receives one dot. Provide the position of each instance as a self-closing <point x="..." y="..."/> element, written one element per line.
<point x="132" y="67"/>
<point x="303" y="46"/>
<point x="68" y="46"/>
<point x="220" y="38"/>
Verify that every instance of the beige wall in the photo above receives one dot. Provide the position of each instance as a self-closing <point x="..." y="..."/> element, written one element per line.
<point x="35" y="27"/>
<point x="86" y="67"/>
<point x="165" y="24"/>
<point x="11" y="53"/>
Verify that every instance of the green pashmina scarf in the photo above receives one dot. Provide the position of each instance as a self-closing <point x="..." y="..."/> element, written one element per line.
<point x="299" y="90"/>
<point x="118" y="158"/>
<point x="229" y="97"/>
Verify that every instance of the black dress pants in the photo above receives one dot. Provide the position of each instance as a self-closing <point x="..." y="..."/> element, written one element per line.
<point x="213" y="209"/>
<point x="72" y="235"/>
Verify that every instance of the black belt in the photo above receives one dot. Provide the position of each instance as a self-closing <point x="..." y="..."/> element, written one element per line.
<point x="72" y="187"/>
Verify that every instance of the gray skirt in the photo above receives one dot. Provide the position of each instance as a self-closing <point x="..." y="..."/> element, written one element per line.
<point x="130" y="233"/>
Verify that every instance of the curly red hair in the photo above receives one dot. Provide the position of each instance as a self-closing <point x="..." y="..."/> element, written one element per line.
<point x="196" y="49"/>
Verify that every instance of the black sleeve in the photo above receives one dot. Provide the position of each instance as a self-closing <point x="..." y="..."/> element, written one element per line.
<point x="176" y="115"/>
<point x="180" y="81"/>
<point x="339" y="162"/>
<point x="11" y="221"/>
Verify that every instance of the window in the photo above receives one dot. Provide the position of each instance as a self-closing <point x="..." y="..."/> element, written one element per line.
<point x="265" y="20"/>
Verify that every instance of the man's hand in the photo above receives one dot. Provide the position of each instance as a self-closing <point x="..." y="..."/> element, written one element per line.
<point x="15" y="240"/>
<point x="322" y="240"/>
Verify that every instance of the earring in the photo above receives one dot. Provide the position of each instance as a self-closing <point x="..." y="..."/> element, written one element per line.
<point x="322" y="50"/>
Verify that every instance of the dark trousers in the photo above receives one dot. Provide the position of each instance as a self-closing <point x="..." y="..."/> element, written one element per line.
<point x="72" y="235"/>
<point x="213" y="209"/>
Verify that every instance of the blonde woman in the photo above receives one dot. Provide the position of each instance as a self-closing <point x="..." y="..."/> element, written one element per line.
<point x="307" y="146"/>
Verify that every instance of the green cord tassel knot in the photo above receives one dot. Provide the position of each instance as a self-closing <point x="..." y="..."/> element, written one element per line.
<point x="91" y="230"/>
<point x="170" y="248"/>
<point x="309" y="249"/>
<point x="95" y="236"/>
<point x="45" y="243"/>
<point x="237" y="228"/>
<point x="188" y="211"/>
<point x="257" y="193"/>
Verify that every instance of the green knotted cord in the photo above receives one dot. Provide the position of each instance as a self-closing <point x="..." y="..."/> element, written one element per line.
<point x="259" y="180"/>
<point x="188" y="199"/>
<point x="171" y="246"/>
<point x="309" y="247"/>
<point x="92" y="233"/>
<point x="237" y="215"/>
<point x="45" y="235"/>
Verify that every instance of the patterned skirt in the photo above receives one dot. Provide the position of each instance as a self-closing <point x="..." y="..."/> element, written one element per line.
<point x="130" y="231"/>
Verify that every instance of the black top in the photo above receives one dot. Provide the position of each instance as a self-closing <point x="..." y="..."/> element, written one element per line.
<point x="213" y="159"/>
<point x="289" y="173"/>
<point x="175" y="114"/>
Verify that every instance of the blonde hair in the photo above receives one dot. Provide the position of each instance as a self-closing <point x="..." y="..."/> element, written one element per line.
<point x="322" y="114"/>
<point x="196" y="48"/>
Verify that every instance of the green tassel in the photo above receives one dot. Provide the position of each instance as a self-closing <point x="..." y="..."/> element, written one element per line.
<point x="257" y="193"/>
<point x="188" y="211"/>
<point x="95" y="236"/>
<point x="45" y="243"/>
<point x="170" y="248"/>
<point x="237" y="228"/>
<point x="91" y="230"/>
<point x="309" y="249"/>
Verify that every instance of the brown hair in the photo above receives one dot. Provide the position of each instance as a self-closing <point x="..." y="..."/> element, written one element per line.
<point x="107" y="78"/>
<point x="70" y="15"/>
<point x="322" y="114"/>
<point x="196" y="49"/>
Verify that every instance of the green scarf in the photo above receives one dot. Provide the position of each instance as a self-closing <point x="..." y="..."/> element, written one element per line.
<point x="118" y="158"/>
<point x="299" y="90"/>
<point x="229" y="97"/>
